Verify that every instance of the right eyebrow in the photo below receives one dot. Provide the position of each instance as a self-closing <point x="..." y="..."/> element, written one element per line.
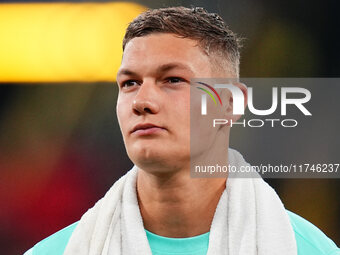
<point x="126" y="72"/>
<point x="161" y="69"/>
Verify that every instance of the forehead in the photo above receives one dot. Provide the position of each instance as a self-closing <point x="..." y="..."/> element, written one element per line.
<point x="152" y="50"/>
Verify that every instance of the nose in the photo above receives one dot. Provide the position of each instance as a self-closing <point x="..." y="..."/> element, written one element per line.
<point x="146" y="100"/>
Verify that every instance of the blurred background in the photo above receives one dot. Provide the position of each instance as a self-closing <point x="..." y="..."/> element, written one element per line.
<point x="60" y="143"/>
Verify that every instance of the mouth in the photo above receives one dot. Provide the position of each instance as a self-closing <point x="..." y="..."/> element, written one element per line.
<point x="146" y="129"/>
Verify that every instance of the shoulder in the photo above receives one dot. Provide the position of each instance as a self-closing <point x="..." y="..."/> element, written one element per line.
<point x="309" y="239"/>
<point x="54" y="244"/>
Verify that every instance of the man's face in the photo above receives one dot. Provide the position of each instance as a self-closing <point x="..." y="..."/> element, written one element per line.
<point x="153" y="106"/>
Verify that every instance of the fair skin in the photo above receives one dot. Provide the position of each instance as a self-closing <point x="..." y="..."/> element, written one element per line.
<point x="154" y="91"/>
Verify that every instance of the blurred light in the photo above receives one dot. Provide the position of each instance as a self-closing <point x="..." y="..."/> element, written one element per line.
<point x="59" y="42"/>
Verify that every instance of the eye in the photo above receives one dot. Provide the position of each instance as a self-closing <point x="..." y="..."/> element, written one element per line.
<point x="174" y="80"/>
<point x="129" y="83"/>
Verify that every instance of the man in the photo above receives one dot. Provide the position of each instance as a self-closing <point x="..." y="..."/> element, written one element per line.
<point x="157" y="207"/>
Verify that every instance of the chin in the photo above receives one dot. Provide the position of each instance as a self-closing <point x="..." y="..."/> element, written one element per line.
<point x="146" y="157"/>
<point x="154" y="160"/>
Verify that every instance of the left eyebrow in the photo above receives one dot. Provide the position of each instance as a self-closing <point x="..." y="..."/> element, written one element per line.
<point x="170" y="66"/>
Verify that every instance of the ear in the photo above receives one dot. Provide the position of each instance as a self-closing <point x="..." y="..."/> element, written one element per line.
<point x="230" y="106"/>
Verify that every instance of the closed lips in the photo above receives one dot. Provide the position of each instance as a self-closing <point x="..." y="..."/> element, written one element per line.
<point x="144" y="126"/>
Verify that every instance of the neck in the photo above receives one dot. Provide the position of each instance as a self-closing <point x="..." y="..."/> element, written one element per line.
<point x="177" y="205"/>
<point x="173" y="204"/>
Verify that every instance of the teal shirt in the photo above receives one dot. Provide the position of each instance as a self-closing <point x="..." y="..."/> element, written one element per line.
<point x="160" y="245"/>
<point x="309" y="239"/>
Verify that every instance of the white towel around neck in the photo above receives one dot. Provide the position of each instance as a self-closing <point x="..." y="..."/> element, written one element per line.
<point x="249" y="219"/>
